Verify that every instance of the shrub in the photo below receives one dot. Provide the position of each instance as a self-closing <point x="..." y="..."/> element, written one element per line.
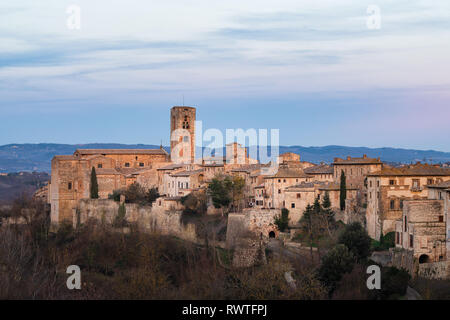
<point x="387" y="241"/>
<point x="335" y="264"/>
<point x="394" y="283"/>
<point x="282" y="221"/>
<point x="356" y="239"/>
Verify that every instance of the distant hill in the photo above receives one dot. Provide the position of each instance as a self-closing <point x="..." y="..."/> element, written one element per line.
<point x="37" y="157"/>
<point x="15" y="184"/>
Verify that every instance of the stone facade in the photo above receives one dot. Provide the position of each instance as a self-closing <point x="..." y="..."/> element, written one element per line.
<point x="355" y="169"/>
<point x="115" y="169"/>
<point x="253" y="224"/>
<point x="388" y="188"/>
<point x="163" y="217"/>
<point x="182" y="134"/>
<point x="421" y="229"/>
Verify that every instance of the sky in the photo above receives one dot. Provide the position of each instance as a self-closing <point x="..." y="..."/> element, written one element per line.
<point x="316" y="70"/>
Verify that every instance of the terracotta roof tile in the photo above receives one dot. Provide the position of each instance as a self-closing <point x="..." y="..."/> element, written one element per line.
<point x="412" y="170"/>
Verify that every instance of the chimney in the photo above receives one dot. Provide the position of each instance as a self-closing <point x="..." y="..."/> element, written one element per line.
<point x="365" y="156"/>
<point x="349" y="158"/>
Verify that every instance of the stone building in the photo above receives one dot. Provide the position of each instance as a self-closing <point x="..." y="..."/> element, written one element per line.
<point x="182" y="134"/>
<point x="297" y="198"/>
<point x="71" y="175"/>
<point x="355" y="169"/>
<point x="321" y="172"/>
<point x="441" y="192"/>
<point x="181" y="183"/>
<point x="422" y="230"/>
<point x="388" y="188"/>
<point x="334" y="191"/>
<point x="276" y="184"/>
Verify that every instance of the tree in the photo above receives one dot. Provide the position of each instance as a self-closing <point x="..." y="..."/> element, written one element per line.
<point x="327" y="212"/>
<point x="282" y="221"/>
<point x="195" y="202"/>
<point x="309" y="226"/>
<point x="337" y="262"/>
<point x="152" y="195"/>
<point x="135" y="193"/>
<point x="238" y="184"/>
<point x="343" y="190"/>
<point x="220" y="190"/>
<point x="394" y="282"/>
<point x="356" y="239"/>
<point x="94" y="184"/>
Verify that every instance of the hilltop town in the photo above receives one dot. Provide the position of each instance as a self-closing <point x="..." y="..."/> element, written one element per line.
<point x="409" y="203"/>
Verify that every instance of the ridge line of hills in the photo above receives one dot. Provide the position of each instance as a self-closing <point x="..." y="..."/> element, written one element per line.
<point x="37" y="157"/>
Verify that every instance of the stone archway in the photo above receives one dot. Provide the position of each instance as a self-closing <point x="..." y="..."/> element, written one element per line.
<point x="424" y="259"/>
<point x="271" y="234"/>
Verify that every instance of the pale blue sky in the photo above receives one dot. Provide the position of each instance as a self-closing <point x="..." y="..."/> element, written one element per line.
<point x="309" y="68"/>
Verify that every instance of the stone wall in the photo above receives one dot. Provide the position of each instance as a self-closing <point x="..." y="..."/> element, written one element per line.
<point x="401" y="258"/>
<point x="435" y="270"/>
<point x="247" y="234"/>
<point x="150" y="218"/>
<point x="248" y="253"/>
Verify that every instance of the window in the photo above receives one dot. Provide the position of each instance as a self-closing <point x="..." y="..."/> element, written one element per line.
<point x="392" y="182"/>
<point x="141" y="164"/>
<point x="406" y="224"/>
<point x="279" y="191"/>
<point x="279" y="180"/>
<point x="416" y="183"/>
<point x="284" y="180"/>
<point x="127" y="164"/>
<point x="293" y="205"/>
<point x="69" y="186"/>
<point x="392" y="204"/>
<point x="378" y="183"/>
<point x="397" y="237"/>
<point x="99" y="165"/>
<point x="187" y="185"/>
<point x="136" y="158"/>
<point x="441" y="218"/>
<point x="370" y="183"/>
<point x="411" y="241"/>
<point x="298" y="195"/>
<point x="186" y="139"/>
<point x="430" y="181"/>
<point x="401" y="204"/>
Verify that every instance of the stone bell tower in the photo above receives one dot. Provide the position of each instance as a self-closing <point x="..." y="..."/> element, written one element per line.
<point x="182" y="134"/>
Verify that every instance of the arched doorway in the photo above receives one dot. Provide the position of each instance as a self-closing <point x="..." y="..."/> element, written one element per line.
<point x="424" y="259"/>
<point x="271" y="234"/>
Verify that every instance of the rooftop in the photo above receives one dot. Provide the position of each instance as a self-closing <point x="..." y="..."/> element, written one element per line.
<point x="289" y="173"/>
<point x="412" y="170"/>
<point x="186" y="173"/>
<point x="363" y="160"/>
<point x="320" y="169"/>
<point x="442" y="185"/>
<point x="120" y="151"/>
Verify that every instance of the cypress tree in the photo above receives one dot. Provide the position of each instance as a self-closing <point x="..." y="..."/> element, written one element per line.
<point x="94" y="184"/>
<point x="343" y="190"/>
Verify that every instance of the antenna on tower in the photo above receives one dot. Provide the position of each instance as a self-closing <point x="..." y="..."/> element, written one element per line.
<point x="183" y="100"/>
